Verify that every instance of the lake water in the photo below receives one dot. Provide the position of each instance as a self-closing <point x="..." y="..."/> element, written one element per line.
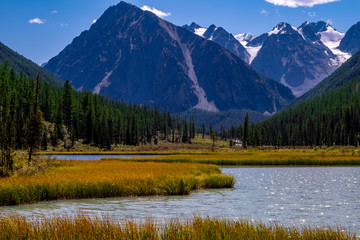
<point x="292" y="196"/>
<point x="94" y="157"/>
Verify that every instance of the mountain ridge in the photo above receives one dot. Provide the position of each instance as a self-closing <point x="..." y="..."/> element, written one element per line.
<point x="133" y="55"/>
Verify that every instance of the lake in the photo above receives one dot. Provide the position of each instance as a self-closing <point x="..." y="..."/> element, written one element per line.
<point x="291" y="196"/>
<point x="93" y="157"/>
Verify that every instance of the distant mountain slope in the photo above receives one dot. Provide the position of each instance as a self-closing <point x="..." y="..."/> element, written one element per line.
<point x="133" y="55"/>
<point x="20" y="63"/>
<point x="351" y="42"/>
<point x="233" y="117"/>
<point x="340" y="77"/>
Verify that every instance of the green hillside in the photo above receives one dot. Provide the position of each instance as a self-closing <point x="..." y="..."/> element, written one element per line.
<point x="332" y="118"/>
<point x="20" y="63"/>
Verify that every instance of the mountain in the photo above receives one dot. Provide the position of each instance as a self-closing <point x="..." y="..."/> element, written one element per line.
<point x="351" y="41"/>
<point x="286" y="56"/>
<point x="221" y="37"/>
<point x="21" y="64"/>
<point x="349" y="70"/>
<point x="323" y="33"/>
<point x="135" y="56"/>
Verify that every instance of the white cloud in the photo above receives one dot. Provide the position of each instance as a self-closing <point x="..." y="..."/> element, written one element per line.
<point x="157" y="12"/>
<point x="37" y="21"/>
<point x="54" y="12"/>
<point x="64" y="24"/>
<point x="94" y="21"/>
<point x="299" y="3"/>
<point x="264" y="12"/>
<point x="312" y="14"/>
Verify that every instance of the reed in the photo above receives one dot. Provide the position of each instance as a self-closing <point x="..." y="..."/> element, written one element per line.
<point x="99" y="179"/>
<point x="87" y="227"/>
<point x="254" y="158"/>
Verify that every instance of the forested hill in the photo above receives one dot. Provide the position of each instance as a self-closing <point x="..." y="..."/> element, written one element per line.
<point x="22" y="64"/>
<point x="332" y="118"/>
<point x="340" y="77"/>
<point x="69" y="116"/>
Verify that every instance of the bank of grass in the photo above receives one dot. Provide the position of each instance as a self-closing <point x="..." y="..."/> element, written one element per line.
<point x="87" y="227"/>
<point x="288" y="157"/>
<point x="99" y="179"/>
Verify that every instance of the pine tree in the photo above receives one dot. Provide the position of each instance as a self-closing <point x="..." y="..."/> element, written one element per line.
<point x="203" y="130"/>
<point x="33" y="127"/>
<point x="185" y="136"/>
<point x="246" y="131"/>
<point x="67" y="103"/>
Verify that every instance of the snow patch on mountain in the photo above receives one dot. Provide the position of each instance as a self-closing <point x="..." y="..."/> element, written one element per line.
<point x="275" y="31"/>
<point x="203" y="102"/>
<point x="253" y="51"/>
<point x="200" y="31"/>
<point x="332" y="38"/>
<point x="244" y="37"/>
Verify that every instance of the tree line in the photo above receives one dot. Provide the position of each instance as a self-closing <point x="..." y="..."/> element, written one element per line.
<point x="35" y="114"/>
<point x="330" y="119"/>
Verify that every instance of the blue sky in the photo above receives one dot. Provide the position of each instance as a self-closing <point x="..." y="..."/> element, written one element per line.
<point x="40" y="29"/>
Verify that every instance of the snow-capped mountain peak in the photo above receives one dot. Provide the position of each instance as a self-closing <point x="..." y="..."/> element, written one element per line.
<point x="282" y="28"/>
<point x="323" y="32"/>
<point x="220" y="36"/>
<point x="244" y="38"/>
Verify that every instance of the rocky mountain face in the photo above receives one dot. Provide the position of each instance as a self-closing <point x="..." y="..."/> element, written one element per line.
<point x="135" y="56"/>
<point x="351" y="41"/>
<point x="221" y="37"/>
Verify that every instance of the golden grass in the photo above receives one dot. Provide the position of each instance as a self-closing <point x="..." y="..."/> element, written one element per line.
<point x="262" y="158"/>
<point x="89" y="179"/>
<point x="86" y="227"/>
<point x="198" y="145"/>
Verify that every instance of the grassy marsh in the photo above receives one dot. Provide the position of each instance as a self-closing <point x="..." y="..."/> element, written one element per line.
<point x="87" y="227"/>
<point x="98" y="179"/>
<point x="263" y="158"/>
